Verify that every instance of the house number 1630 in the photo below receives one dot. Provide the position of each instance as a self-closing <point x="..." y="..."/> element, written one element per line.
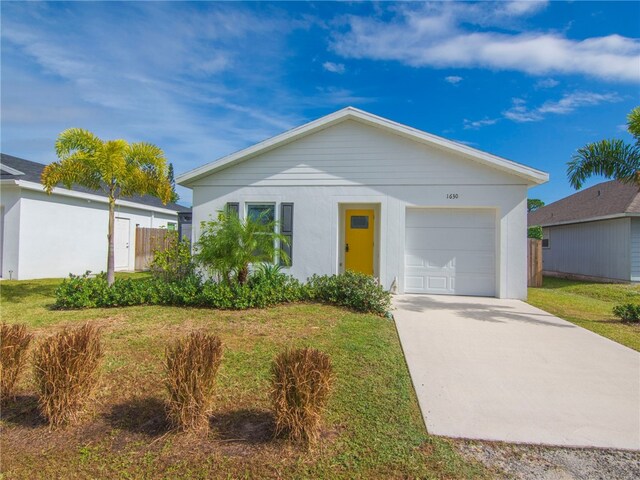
<point x="452" y="196"/>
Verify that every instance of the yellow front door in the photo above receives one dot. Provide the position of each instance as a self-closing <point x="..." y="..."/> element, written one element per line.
<point x="358" y="234"/>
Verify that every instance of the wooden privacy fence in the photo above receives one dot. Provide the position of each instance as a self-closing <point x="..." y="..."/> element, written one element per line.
<point x="534" y="262"/>
<point x="148" y="240"/>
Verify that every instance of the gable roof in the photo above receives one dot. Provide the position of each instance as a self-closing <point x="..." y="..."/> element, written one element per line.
<point x="531" y="175"/>
<point x="19" y="169"/>
<point x="605" y="200"/>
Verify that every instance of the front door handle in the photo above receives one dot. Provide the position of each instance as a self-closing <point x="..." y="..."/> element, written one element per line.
<point x="346" y="247"/>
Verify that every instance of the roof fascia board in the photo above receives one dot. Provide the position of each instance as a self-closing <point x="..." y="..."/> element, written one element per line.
<point x="10" y="170"/>
<point x="590" y="219"/>
<point x="94" y="198"/>
<point x="532" y="175"/>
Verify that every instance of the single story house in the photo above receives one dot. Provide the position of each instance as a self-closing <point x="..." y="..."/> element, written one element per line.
<point x="356" y="191"/>
<point x="45" y="236"/>
<point x="594" y="233"/>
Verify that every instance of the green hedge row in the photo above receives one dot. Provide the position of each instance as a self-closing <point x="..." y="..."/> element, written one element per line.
<point x="353" y="290"/>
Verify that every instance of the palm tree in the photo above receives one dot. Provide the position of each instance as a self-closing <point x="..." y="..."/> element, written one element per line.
<point x="116" y="167"/>
<point x="609" y="158"/>
<point x="228" y="245"/>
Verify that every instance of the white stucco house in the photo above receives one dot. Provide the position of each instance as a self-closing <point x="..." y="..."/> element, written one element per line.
<point x="356" y="191"/>
<point x="47" y="236"/>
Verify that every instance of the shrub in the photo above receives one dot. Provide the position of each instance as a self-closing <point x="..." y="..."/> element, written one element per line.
<point x="14" y="341"/>
<point x="301" y="383"/>
<point x="627" y="312"/>
<point x="191" y="367"/>
<point x="174" y="263"/>
<point x="265" y="287"/>
<point x="66" y="373"/>
<point x="229" y="244"/>
<point x="354" y="290"/>
<point x="81" y="291"/>
<point x="535" y="232"/>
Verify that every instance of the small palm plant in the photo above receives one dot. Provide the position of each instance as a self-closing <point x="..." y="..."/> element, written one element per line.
<point x="229" y="245"/>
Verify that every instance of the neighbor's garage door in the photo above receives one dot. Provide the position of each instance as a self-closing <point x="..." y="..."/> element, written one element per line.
<point x="450" y="251"/>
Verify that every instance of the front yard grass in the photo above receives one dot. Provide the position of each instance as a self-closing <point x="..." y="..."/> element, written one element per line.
<point x="590" y="305"/>
<point x="373" y="426"/>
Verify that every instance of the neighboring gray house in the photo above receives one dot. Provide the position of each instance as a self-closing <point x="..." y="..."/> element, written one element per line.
<point x="593" y="233"/>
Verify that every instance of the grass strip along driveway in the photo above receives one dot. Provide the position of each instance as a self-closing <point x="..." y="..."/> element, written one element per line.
<point x="589" y="305"/>
<point x="373" y="427"/>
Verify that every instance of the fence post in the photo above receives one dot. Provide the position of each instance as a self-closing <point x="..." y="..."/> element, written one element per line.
<point x="534" y="262"/>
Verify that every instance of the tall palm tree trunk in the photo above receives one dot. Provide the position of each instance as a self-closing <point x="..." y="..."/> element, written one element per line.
<point x="111" y="264"/>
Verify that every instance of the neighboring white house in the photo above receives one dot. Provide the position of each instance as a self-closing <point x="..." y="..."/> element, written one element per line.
<point x="45" y="236"/>
<point x="356" y="191"/>
<point x="593" y="233"/>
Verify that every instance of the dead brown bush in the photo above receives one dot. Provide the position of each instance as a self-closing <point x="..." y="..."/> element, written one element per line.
<point x="14" y="341"/>
<point x="302" y="380"/>
<point x="66" y="373"/>
<point x="191" y="366"/>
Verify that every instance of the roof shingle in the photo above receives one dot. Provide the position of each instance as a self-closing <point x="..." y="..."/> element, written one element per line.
<point x="604" y="199"/>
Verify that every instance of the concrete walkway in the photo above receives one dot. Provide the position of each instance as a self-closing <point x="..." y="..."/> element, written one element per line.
<point x="492" y="369"/>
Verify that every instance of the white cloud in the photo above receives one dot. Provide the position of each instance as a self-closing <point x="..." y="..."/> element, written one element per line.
<point x="476" y="124"/>
<point x="333" y="67"/>
<point x="570" y="102"/>
<point x="546" y="83"/>
<point x="519" y="112"/>
<point x="520" y="8"/>
<point x="453" y="79"/>
<point x="439" y="35"/>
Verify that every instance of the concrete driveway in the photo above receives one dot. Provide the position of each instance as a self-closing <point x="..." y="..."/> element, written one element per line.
<point x="493" y="369"/>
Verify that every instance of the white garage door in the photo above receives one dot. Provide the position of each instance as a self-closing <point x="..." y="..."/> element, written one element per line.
<point x="450" y="251"/>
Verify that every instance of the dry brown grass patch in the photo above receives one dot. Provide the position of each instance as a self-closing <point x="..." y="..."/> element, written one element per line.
<point x="302" y="380"/>
<point x="191" y="365"/>
<point x="14" y="341"/>
<point x="66" y="372"/>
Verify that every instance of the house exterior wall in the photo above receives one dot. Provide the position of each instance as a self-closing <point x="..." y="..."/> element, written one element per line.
<point x="10" y="218"/>
<point x="61" y="234"/>
<point x="635" y="249"/>
<point x="352" y="163"/>
<point x="598" y="249"/>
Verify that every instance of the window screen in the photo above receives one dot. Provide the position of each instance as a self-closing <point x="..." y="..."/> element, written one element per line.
<point x="360" y="221"/>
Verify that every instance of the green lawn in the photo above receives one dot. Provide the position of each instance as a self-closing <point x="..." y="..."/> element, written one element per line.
<point x="373" y="427"/>
<point x="589" y="305"/>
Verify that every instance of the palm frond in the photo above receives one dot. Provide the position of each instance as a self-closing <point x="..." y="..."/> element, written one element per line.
<point x="77" y="140"/>
<point x="633" y="124"/>
<point x="608" y="158"/>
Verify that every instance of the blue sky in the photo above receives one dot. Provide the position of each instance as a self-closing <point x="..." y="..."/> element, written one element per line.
<point x="529" y="81"/>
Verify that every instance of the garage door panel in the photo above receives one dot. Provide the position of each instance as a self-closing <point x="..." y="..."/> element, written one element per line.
<point x="450" y="251"/>
<point x="450" y="239"/>
<point x="441" y="218"/>
<point x="481" y="285"/>
<point x="463" y="262"/>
